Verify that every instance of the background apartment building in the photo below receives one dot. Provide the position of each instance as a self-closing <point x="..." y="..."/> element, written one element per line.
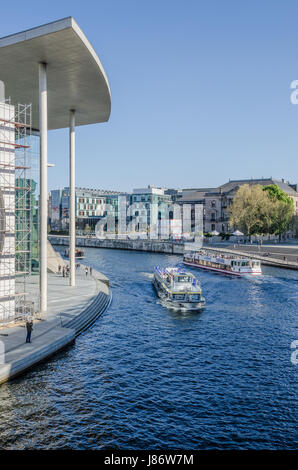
<point x="91" y="206"/>
<point x="153" y="207"/>
<point x="163" y="208"/>
<point x="216" y="201"/>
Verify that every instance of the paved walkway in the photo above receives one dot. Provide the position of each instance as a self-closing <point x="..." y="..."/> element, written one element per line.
<point x="49" y="333"/>
<point x="274" y="251"/>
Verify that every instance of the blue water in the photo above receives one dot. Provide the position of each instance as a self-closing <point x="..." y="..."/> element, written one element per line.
<point x="144" y="377"/>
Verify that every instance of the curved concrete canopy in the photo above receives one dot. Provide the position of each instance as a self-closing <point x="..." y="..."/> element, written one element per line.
<point x="75" y="77"/>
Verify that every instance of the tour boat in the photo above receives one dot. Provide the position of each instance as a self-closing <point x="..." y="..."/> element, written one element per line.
<point x="79" y="253"/>
<point x="223" y="263"/>
<point x="178" y="289"/>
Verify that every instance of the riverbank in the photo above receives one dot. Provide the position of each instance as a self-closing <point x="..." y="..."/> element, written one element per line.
<point x="152" y="246"/>
<point x="167" y="247"/>
<point x="70" y="311"/>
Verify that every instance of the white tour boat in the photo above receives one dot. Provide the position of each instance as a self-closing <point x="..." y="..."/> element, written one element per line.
<point x="223" y="263"/>
<point x="178" y="289"/>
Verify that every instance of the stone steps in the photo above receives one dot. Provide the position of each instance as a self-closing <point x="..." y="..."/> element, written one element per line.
<point x="89" y="315"/>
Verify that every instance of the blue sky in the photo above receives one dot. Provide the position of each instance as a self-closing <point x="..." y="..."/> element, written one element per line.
<point x="200" y="90"/>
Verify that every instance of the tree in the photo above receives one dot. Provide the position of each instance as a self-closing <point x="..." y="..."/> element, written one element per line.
<point x="283" y="209"/>
<point x="257" y="209"/>
<point x="251" y="210"/>
<point x="275" y="193"/>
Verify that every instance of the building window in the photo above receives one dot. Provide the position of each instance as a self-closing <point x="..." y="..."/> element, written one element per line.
<point x="213" y="203"/>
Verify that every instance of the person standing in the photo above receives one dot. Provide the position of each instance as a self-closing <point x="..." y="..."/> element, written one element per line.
<point x="86" y="271"/>
<point x="29" y="328"/>
<point x="90" y="270"/>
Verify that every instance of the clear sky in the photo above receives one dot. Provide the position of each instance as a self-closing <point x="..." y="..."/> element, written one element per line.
<point x="200" y="90"/>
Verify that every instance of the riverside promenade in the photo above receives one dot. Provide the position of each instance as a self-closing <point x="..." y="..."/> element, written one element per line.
<point x="70" y="311"/>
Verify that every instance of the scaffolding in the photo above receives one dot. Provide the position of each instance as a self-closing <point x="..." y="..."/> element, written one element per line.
<point x="15" y="210"/>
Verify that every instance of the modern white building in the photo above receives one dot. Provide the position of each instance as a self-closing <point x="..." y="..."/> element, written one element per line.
<point x="54" y="68"/>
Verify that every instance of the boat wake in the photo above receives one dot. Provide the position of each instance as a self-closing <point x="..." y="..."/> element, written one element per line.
<point x="147" y="275"/>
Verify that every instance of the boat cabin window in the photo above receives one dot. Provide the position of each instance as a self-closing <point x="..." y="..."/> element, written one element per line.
<point x="182" y="279"/>
<point x="178" y="296"/>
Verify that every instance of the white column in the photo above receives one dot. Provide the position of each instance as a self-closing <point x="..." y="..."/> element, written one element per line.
<point x="72" y="204"/>
<point x="43" y="202"/>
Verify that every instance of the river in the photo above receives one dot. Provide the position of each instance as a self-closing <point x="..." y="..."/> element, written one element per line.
<point x="144" y="377"/>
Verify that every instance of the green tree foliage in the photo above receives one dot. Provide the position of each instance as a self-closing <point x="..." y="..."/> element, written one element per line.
<point x="257" y="209"/>
<point x="275" y="193"/>
<point x="250" y="210"/>
<point x="283" y="209"/>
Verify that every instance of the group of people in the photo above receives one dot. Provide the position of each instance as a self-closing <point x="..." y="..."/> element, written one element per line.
<point x="64" y="270"/>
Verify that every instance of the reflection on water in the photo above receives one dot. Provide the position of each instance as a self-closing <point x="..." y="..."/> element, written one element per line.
<point x="144" y="377"/>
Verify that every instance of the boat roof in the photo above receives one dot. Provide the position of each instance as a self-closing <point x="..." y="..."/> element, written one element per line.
<point x="220" y="254"/>
<point x="173" y="271"/>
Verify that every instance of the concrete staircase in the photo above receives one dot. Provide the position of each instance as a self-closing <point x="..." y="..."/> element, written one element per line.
<point x="89" y="315"/>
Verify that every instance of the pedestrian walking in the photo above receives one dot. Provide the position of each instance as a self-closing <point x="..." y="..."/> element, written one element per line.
<point x="59" y="269"/>
<point x="29" y="328"/>
<point x="63" y="271"/>
<point x="86" y="271"/>
<point x="90" y="270"/>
